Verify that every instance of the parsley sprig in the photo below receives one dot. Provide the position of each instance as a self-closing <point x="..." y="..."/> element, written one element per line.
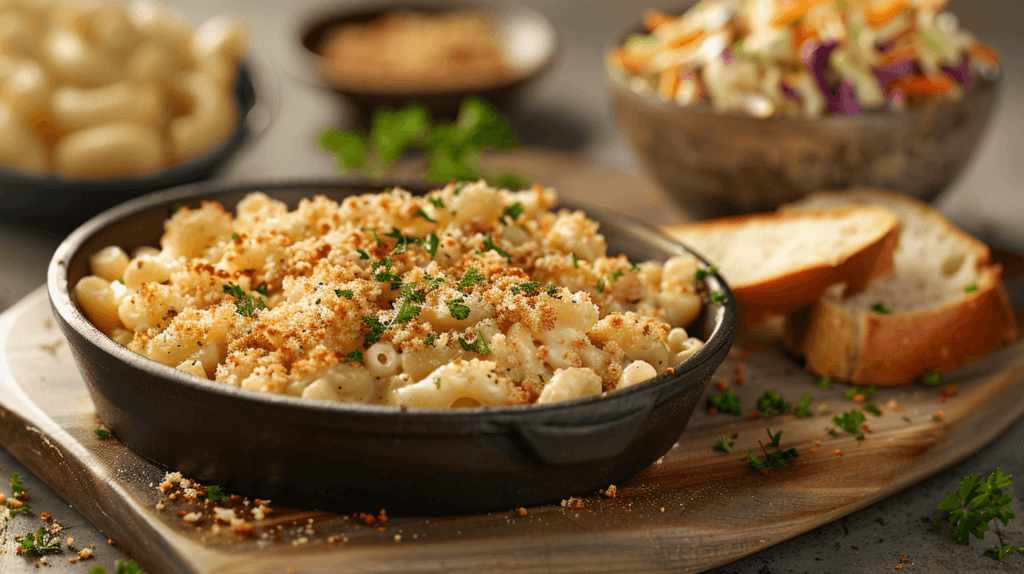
<point x="976" y="503"/>
<point x="478" y="345"/>
<point x="772" y="403"/>
<point x="17" y="493"/>
<point x="245" y="305"/>
<point x="452" y="149"/>
<point x="771" y="459"/>
<point x="727" y="402"/>
<point x="850" y="422"/>
<point x="40" y="543"/>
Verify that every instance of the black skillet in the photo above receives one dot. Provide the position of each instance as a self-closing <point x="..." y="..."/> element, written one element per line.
<point x="354" y="456"/>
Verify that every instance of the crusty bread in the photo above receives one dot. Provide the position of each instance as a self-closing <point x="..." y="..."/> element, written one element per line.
<point x="777" y="262"/>
<point x="948" y="306"/>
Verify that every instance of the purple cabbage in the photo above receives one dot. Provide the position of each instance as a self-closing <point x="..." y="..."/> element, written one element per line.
<point x="894" y="71"/>
<point x="788" y="91"/>
<point x="961" y="72"/>
<point x="727" y="56"/>
<point x="814" y="56"/>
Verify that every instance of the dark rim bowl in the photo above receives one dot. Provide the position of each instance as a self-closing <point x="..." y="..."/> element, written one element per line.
<point x="523" y="33"/>
<point x="324" y="454"/>
<point x="59" y="203"/>
<point x="716" y="164"/>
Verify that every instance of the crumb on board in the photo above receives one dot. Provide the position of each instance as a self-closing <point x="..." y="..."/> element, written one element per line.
<point x="572" y="502"/>
<point x="838" y="452"/>
<point x="894" y="406"/>
<point x="521" y="511"/>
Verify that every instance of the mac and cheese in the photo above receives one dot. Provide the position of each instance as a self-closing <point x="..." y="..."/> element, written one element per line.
<point x="466" y="296"/>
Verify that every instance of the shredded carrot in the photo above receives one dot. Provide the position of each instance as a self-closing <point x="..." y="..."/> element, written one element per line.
<point x="985" y="53"/>
<point x="684" y="40"/>
<point x="628" y="60"/>
<point x="881" y="12"/>
<point x="654" y="18"/>
<point x="792" y="11"/>
<point x="801" y="34"/>
<point x="925" y="86"/>
<point x="668" y="83"/>
<point x="899" y="53"/>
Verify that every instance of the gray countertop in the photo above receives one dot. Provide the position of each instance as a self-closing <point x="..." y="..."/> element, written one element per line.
<point x="569" y="109"/>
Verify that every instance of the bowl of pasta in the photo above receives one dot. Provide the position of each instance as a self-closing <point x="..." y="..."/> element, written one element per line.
<point x="106" y="101"/>
<point x="431" y="350"/>
<point x="743" y="106"/>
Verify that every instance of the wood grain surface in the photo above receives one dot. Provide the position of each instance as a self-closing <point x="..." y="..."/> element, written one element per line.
<point x="695" y="509"/>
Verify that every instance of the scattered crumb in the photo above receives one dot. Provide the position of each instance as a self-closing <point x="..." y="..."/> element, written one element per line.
<point x="859" y="398"/>
<point x="817" y="442"/>
<point x="712" y="410"/>
<point x="892" y="405"/>
<point x="754" y="415"/>
<point x="398" y="537"/>
<point x="85" y="553"/>
<point x="292" y="570"/>
<point x="300" y="540"/>
<point x="721" y="384"/>
<point x="939" y="415"/>
<point x="521" y="511"/>
<point x="865" y="427"/>
<point x="572" y="502"/>
<point x="192" y="517"/>
<point x="69" y="541"/>
<point x="838" y="452"/>
<point x="44" y="515"/>
<point x="949" y="390"/>
<point x="611" y="492"/>
<point x="160" y="505"/>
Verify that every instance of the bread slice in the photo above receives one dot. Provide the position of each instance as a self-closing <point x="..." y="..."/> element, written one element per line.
<point x="777" y="262"/>
<point x="940" y="307"/>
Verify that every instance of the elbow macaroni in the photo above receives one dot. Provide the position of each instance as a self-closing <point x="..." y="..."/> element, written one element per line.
<point x="493" y="300"/>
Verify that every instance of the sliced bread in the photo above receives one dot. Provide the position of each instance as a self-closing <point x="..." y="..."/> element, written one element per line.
<point x="777" y="262"/>
<point x="940" y="307"/>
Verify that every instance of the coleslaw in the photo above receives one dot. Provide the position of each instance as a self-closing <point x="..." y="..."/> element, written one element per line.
<point x="805" y="57"/>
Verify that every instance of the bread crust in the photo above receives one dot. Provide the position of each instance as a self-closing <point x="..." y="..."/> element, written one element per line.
<point x="778" y="295"/>
<point x="866" y="347"/>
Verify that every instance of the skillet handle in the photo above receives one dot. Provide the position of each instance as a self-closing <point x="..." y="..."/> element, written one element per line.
<point x="561" y="445"/>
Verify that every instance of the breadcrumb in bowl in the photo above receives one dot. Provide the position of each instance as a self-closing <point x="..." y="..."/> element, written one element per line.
<point x="325" y="454"/>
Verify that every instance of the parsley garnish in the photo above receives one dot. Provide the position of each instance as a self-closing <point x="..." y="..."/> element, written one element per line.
<point x="700" y="274"/>
<point x="775" y="438"/>
<point x="120" y="280"/>
<point x="490" y="246"/>
<point x="634" y="267"/>
<point x="423" y="214"/>
<point x="401" y="241"/>
<point x="717" y="297"/>
<point x="881" y="308"/>
<point x="40" y="543"/>
<point x="855" y="390"/>
<point x="346" y="293"/>
<point x="727" y="402"/>
<point x="772" y="403"/>
<point x="458" y="187"/>
<point x="1000" y="552"/>
<point x="804" y="408"/>
<point x="376" y="328"/>
<point x="262" y="289"/>
<point x="386" y="276"/>
<point x="552" y="291"/>
<point x="616" y="274"/>
<point x="17" y="489"/>
<point x="430" y="338"/>
<point x="471" y="276"/>
<point x="931" y="379"/>
<point x="437" y="383"/>
<point x="771" y="460"/>
<point x="600" y="286"/>
<point x="406" y="312"/>
<point x="575" y="260"/>
<point x="362" y="253"/>
<point x="850" y="422"/>
<point x="122" y="568"/>
<point x="972" y="506"/>
<point x="436" y="202"/>
<point x="514" y="211"/>
<point x="102" y="433"/>
<point x="824" y="383"/>
<point x="354" y="357"/>
<point x="969" y="289"/>
<point x="457" y="308"/>
<point x="375" y="236"/>
<point x="905" y="418"/>
<point x="215" y="493"/>
<point x="525" y="288"/>
<point x="873" y="409"/>
<point x="432" y="242"/>
<point x="176" y="206"/>
<point x="245" y="305"/>
<point x="478" y="345"/>
<point x="724" y="445"/>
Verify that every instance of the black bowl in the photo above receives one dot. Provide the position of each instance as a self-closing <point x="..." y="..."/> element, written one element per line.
<point x="524" y="33"/>
<point x="334" y="454"/>
<point x="54" y="202"/>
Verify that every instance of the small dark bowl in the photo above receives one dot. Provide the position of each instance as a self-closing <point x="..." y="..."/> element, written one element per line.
<point x="54" y="202"/>
<point x="522" y="33"/>
<point x="716" y="164"/>
<point x="326" y="454"/>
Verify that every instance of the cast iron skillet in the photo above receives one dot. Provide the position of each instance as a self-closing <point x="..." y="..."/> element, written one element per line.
<point x="349" y="456"/>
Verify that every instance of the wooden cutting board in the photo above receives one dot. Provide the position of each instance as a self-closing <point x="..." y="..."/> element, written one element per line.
<point x="694" y="509"/>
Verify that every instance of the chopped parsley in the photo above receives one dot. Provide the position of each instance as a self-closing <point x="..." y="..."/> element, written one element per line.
<point x="514" y="210"/>
<point x="437" y="383"/>
<point x="436" y="202"/>
<point x="552" y="291"/>
<point x="42" y="542"/>
<point x="376" y="328"/>
<point x="931" y="379"/>
<point x="600" y="286"/>
<point x="855" y="390"/>
<point x="824" y="383"/>
<point x="976" y="503"/>
<point x="700" y="274"/>
<point x="406" y="312"/>
<point x="772" y="403"/>
<point x="459" y="186"/>
<point x="234" y="237"/>
<point x="375" y="236"/>
<point x="717" y="297"/>
<point x="362" y="253"/>
<point x="490" y="246"/>
<point x="873" y="409"/>
<point x="346" y="293"/>
<point x="423" y="214"/>
<point x="970" y="288"/>
<point x="881" y="308"/>
<point x="575" y="260"/>
<point x="415" y="295"/>
<point x="1000" y="552"/>
<point x="478" y="345"/>
<point x="773" y="459"/>
<point x="401" y="241"/>
<point x="120" y="280"/>
<point x="774" y="438"/>
<point x="470" y="277"/>
<point x="804" y="408"/>
<point x="215" y="493"/>
<point x="245" y="305"/>
<point x="727" y="402"/>
<point x="431" y="243"/>
<point x="525" y="288"/>
<point x="122" y="568"/>
<point x="458" y="308"/>
<point x="355" y="356"/>
<point x="176" y="206"/>
<point x="905" y="418"/>
<point x="616" y="274"/>
<point x="102" y="433"/>
<point x="386" y="276"/>
<point x="17" y="490"/>
<point x="850" y="422"/>
<point x="262" y="289"/>
<point x="724" y="445"/>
